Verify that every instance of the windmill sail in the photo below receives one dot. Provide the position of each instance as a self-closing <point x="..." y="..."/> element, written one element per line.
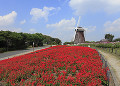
<point x="78" y="21"/>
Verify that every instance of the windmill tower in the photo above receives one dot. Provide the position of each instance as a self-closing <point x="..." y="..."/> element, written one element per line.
<point x="79" y="36"/>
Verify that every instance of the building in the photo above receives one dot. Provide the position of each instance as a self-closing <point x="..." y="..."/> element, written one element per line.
<point x="79" y="36"/>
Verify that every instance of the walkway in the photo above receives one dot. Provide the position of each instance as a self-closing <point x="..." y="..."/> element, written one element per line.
<point x="114" y="63"/>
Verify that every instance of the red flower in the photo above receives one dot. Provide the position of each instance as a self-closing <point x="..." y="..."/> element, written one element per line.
<point x="58" y="65"/>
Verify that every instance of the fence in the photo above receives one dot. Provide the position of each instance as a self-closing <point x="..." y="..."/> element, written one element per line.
<point x="112" y="50"/>
<point x="111" y="77"/>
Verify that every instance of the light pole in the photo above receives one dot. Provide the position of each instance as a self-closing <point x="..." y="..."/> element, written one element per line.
<point x="33" y="46"/>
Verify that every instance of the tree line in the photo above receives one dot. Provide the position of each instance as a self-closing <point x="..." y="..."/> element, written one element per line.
<point x="13" y="40"/>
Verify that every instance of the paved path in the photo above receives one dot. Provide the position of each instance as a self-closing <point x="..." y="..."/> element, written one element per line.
<point x="114" y="62"/>
<point x="11" y="54"/>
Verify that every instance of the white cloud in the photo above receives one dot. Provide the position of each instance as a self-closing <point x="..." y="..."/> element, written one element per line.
<point x="23" y="22"/>
<point x="16" y="29"/>
<point x="90" y="29"/>
<point x="40" y="13"/>
<point x="32" y="30"/>
<point x="56" y="10"/>
<point x="63" y="24"/>
<point x="64" y="29"/>
<point x="83" y="6"/>
<point x="7" y="22"/>
<point x="112" y="26"/>
<point x="11" y="28"/>
<point x="8" y="19"/>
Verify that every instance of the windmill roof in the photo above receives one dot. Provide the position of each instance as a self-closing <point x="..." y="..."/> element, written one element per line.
<point x="80" y="29"/>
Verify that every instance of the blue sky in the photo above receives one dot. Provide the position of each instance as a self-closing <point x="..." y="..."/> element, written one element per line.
<point x="58" y="18"/>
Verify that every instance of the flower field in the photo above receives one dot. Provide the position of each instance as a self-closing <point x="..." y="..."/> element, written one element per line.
<point x="55" y="66"/>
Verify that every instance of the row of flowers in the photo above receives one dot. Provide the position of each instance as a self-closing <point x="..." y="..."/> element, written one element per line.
<point x="55" y="66"/>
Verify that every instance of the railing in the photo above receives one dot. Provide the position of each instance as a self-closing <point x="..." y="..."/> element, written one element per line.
<point x="111" y="77"/>
<point x="112" y="50"/>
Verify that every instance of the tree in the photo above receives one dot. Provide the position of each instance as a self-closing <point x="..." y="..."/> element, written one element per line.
<point x="58" y="41"/>
<point x="25" y="42"/>
<point x="109" y="37"/>
<point x="50" y="40"/>
<point x="65" y="43"/>
<point x="47" y="39"/>
<point x="15" y="39"/>
<point x="117" y="39"/>
<point x="5" y="41"/>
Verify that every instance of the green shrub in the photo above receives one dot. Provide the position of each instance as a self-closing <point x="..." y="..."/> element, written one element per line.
<point x="2" y="50"/>
<point x="108" y="45"/>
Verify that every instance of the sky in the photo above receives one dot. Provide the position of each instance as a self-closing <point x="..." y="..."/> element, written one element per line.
<point x="59" y="18"/>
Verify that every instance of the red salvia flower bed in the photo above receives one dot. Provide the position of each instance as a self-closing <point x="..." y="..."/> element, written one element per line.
<point x="55" y="66"/>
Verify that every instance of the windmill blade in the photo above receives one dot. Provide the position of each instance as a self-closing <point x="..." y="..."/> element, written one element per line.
<point x="78" y="21"/>
<point x="85" y="33"/>
<point x="75" y="29"/>
<point x="74" y="33"/>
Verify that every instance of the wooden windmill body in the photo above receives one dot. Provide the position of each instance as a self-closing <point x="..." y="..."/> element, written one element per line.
<point x="79" y="36"/>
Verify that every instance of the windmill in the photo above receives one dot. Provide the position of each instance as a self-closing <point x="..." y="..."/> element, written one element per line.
<point x="79" y="36"/>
